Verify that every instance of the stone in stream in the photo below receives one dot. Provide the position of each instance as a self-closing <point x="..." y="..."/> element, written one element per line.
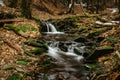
<point x="81" y="40"/>
<point x="100" y="51"/>
<point x="99" y="39"/>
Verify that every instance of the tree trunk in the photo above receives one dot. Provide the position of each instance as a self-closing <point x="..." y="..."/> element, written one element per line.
<point x="26" y="8"/>
<point x="119" y="6"/>
<point x="82" y="7"/>
<point x="13" y="3"/>
<point x="71" y="9"/>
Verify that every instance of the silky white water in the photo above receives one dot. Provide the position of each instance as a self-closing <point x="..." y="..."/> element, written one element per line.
<point x="2" y="3"/>
<point x="51" y="29"/>
<point x="55" y="52"/>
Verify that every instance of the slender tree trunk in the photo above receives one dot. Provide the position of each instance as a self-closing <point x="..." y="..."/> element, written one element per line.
<point x="119" y="6"/>
<point x="98" y="6"/>
<point x="26" y="8"/>
<point x="82" y="7"/>
<point x="13" y="3"/>
<point x="71" y="9"/>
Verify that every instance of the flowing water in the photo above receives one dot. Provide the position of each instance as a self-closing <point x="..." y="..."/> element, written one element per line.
<point x="68" y="53"/>
<point x="113" y="10"/>
<point x="2" y="3"/>
<point x="55" y="47"/>
<point x="49" y="28"/>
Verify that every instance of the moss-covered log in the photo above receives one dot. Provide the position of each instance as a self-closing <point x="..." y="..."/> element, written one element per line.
<point x="36" y="51"/>
<point x="36" y="44"/>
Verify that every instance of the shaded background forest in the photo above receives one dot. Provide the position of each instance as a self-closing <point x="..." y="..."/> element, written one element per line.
<point x="62" y="6"/>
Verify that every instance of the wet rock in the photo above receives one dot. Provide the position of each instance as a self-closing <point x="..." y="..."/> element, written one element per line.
<point x="64" y="48"/>
<point x="15" y="76"/>
<point x="100" y="51"/>
<point x="37" y="44"/>
<point x="99" y="39"/>
<point x="81" y="40"/>
<point x="94" y="34"/>
<point x="77" y="51"/>
<point x="90" y="44"/>
<point x="36" y="51"/>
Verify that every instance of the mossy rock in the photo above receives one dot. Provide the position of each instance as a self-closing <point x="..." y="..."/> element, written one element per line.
<point x="64" y="48"/>
<point x="81" y="39"/>
<point x="15" y="77"/>
<point x="23" y="30"/>
<point x="25" y="59"/>
<point x="94" y="34"/>
<point x="21" y="63"/>
<point x="8" y="67"/>
<point x="100" y="51"/>
<point x="37" y="44"/>
<point x="66" y="24"/>
<point x="36" y="51"/>
<point x="112" y="39"/>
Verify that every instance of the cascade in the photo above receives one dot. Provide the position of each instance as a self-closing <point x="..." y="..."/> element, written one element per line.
<point x="55" y="51"/>
<point x="67" y="55"/>
<point x="49" y="28"/>
<point x="2" y="3"/>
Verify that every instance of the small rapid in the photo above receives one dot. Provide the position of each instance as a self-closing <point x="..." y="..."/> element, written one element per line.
<point x="2" y="3"/>
<point x="68" y="54"/>
<point x="49" y="28"/>
<point x="55" y="51"/>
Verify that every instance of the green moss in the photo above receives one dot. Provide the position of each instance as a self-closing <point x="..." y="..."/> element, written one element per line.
<point x="8" y="67"/>
<point x="25" y="59"/>
<point x="112" y="39"/>
<point x="67" y="23"/>
<point x="94" y="34"/>
<point x="25" y="28"/>
<point x="37" y="44"/>
<point x="11" y="27"/>
<point x="47" y="63"/>
<point x="15" y="77"/>
<point x="90" y="65"/>
<point x="21" y="62"/>
<point x="22" y="28"/>
<point x="36" y="51"/>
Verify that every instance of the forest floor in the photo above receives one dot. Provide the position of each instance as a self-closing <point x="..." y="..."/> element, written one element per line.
<point x="14" y="60"/>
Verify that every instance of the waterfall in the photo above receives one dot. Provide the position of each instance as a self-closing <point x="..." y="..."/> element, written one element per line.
<point x="113" y="10"/>
<point x="50" y="29"/>
<point x="55" y="52"/>
<point x="2" y="3"/>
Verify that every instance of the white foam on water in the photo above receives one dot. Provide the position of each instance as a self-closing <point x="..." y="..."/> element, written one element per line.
<point x="2" y="3"/>
<point x="51" y="29"/>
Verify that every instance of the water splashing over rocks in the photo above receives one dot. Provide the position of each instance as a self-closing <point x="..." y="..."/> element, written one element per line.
<point x="67" y="53"/>
<point x="2" y="3"/>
